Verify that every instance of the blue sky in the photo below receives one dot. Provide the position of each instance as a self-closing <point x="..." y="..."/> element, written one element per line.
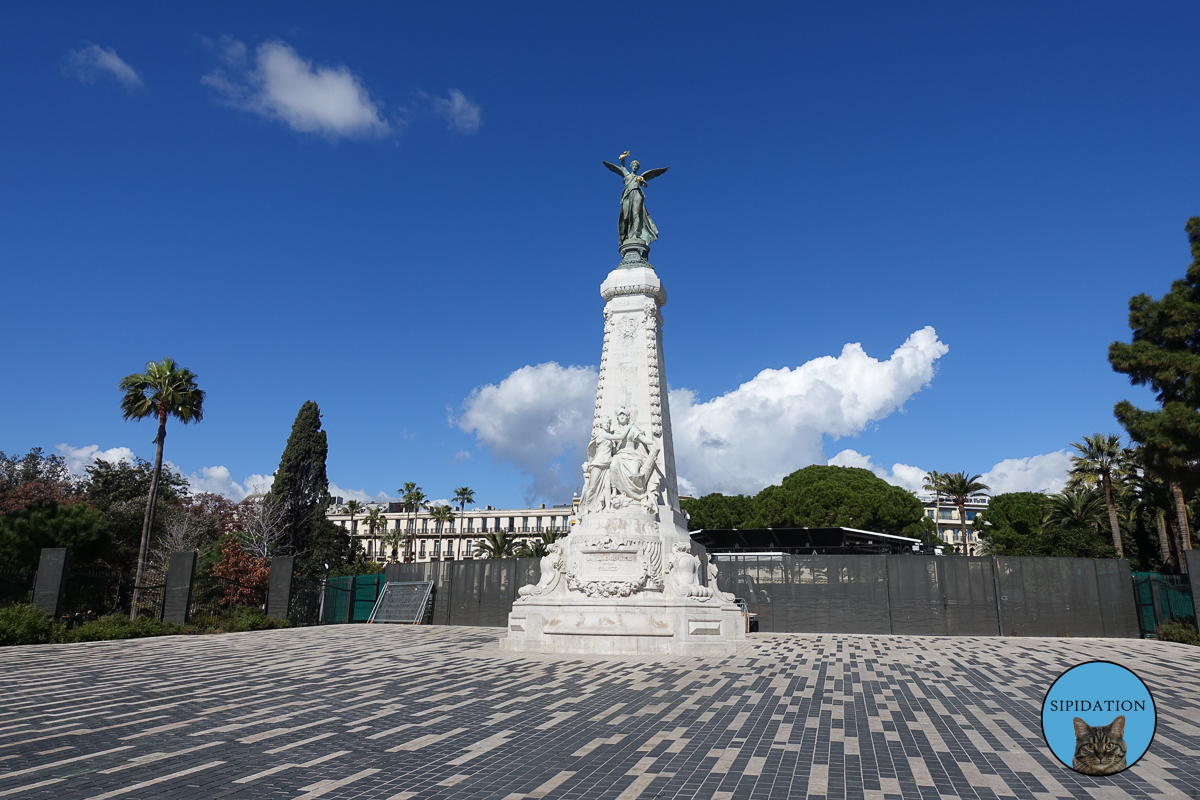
<point x="390" y="210"/>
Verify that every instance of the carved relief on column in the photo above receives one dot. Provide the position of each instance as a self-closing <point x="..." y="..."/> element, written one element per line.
<point x="608" y="330"/>
<point x="651" y="320"/>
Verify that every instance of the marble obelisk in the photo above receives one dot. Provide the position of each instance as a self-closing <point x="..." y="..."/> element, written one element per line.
<point x="627" y="579"/>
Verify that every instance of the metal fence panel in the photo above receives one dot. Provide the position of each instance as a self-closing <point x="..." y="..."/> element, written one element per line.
<point x="16" y="585"/>
<point x="1118" y="611"/>
<point x="970" y="585"/>
<point x="917" y="595"/>
<point x="366" y="590"/>
<point x="810" y="594"/>
<point x="1049" y="596"/>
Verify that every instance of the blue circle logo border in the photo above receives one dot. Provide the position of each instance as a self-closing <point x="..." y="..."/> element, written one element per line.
<point x="1042" y="715"/>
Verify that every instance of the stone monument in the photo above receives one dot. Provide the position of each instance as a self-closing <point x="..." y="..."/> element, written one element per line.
<point x="627" y="579"/>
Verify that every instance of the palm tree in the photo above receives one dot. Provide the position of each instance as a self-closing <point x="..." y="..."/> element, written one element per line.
<point x="1075" y="507"/>
<point x="164" y="390"/>
<point x="441" y="515"/>
<point x="353" y="508"/>
<point x="539" y="548"/>
<point x="393" y="539"/>
<point x="933" y="483"/>
<point x="496" y="544"/>
<point x="959" y="487"/>
<point x="462" y="496"/>
<point x="414" y="500"/>
<point x="375" y="520"/>
<point x="1099" y="456"/>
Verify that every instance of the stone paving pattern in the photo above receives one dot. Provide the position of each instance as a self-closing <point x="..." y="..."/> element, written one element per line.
<point x="402" y="712"/>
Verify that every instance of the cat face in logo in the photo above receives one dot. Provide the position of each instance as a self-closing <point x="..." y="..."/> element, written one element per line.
<point x="1099" y="750"/>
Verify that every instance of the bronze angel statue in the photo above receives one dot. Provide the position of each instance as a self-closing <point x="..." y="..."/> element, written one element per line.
<point x="635" y="223"/>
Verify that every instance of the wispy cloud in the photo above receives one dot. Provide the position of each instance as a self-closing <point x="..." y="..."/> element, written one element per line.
<point x="459" y="113"/>
<point x="358" y="494"/>
<point x="278" y="84"/>
<point x="94" y="62"/>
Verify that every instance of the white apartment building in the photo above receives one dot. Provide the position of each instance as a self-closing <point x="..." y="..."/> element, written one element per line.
<point x="449" y="541"/>
<point x="950" y="528"/>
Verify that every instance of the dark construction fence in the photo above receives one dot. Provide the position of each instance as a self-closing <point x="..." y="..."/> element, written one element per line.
<point x="934" y="595"/>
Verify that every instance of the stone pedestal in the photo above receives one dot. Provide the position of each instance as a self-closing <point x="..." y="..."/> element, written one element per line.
<point x="627" y="579"/>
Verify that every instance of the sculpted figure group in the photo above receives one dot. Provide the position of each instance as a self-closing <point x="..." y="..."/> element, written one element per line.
<point x="620" y="469"/>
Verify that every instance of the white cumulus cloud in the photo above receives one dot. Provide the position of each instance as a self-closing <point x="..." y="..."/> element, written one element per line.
<point x="80" y="458"/>
<point x="774" y="423"/>
<point x="1041" y="473"/>
<point x="358" y="494"/>
<point x="459" y="113"/>
<point x="94" y="62"/>
<point x="536" y="419"/>
<point x="281" y="85"/>
<point x="903" y="475"/>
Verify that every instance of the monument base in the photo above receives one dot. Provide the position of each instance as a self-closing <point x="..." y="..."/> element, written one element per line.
<point x="642" y="625"/>
<point x="619" y="584"/>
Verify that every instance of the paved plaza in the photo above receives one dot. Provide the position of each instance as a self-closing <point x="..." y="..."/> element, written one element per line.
<point x="406" y="713"/>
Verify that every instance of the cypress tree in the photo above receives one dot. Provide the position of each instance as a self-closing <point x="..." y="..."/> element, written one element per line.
<point x="301" y="486"/>
<point x="1165" y="355"/>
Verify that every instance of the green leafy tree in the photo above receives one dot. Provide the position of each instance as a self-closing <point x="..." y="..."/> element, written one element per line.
<point x="35" y="479"/>
<point x="24" y="533"/>
<point x="1165" y="355"/>
<point x="718" y="511"/>
<point x="1011" y="524"/>
<point x="823" y="496"/>
<point x="1099" y="458"/>
<point x="301" y="486"/>
<point x="164" y="390"/>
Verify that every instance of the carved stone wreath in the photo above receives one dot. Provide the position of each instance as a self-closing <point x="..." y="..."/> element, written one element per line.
<point x="649" y="558"/>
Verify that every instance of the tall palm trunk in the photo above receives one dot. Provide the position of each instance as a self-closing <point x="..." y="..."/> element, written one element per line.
<point x="1164" y="543"/>
<point x="151" y="507"/>
<point x="1112" y="514"/>
<point x="962" y="521"/>
<point x="1185" y="535"/>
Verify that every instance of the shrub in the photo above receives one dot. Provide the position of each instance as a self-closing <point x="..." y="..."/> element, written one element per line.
<point x="236" y="619"/>
<point x="117" y="626"/>
<point x="1182" y="631"/>
<point x="24" y="624"/>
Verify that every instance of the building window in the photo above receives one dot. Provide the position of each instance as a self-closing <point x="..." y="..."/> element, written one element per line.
<point x="524" y="524"/>
<point x="437" y="548"/>
<point x="450" y="548"/>
<point x="422" y="548"/>
<point x="470" y="524"/>
<point x="370" y="545"/>
<point x="945" y="513"/>
<point x="424" y="525"/>
<point x="467" y="549"/>
<point x="929" y="512"/>
<point x="971" y="516"/>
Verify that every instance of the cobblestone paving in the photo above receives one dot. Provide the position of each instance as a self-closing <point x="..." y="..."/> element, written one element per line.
<point x="406" y="713"/>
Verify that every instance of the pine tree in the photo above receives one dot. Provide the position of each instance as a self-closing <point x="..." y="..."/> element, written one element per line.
<point x="301" y="487"/>
<point x="1165" y="355"/>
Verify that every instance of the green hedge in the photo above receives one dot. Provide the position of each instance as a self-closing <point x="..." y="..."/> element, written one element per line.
<point x="24" y="624"/>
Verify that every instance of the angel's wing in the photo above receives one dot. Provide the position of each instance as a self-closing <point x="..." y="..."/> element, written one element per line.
<point x="651" y="174"/>
<point x="615" y="169"/>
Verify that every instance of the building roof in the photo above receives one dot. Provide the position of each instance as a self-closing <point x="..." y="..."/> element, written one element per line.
<point x="802" y="540"/>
